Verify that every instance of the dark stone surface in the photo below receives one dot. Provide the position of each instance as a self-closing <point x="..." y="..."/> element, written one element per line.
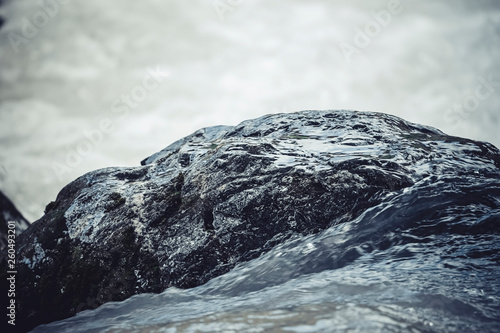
<point x="221" y="196"/>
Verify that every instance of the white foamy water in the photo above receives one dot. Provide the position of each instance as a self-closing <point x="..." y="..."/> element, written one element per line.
<point x="190" y="64"/>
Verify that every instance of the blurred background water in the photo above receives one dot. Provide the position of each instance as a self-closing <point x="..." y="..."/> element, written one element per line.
<point x="65" y="66"/>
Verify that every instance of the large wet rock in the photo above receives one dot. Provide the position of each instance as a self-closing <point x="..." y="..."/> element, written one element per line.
<point x="221" y="196"/>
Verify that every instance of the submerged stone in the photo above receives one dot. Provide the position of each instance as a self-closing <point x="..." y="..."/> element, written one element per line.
<point x="221" y="196"/>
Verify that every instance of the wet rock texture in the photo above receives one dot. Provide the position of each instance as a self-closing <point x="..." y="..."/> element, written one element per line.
<point x="221" y="196"/>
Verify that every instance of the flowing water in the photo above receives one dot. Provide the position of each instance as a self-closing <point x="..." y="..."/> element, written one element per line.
<point x="425" y="260"/>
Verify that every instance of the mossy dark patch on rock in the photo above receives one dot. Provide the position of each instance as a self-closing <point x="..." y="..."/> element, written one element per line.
<point x="51" y="205"/>
<point x="115" y="201"/>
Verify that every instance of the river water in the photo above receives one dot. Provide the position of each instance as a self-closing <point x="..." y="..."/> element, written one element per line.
<point x="425" y="260"/>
